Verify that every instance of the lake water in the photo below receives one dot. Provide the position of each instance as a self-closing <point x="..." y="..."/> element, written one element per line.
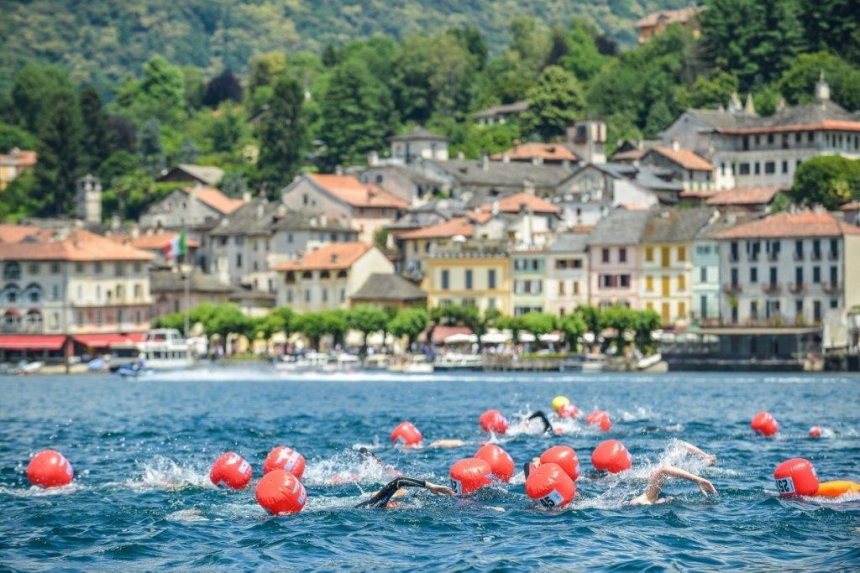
<point x="142" y="450"/>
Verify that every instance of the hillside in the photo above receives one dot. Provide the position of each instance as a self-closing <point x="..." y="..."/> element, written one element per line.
<point x="101" y="41"/>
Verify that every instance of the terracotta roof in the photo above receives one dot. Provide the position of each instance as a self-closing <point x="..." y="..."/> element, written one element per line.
<point x="14" y="233"/>
<point x="667" y="16"/>
<point x="479" y="216"/>
<point x="528" y="151"/>
<point x="448" y="229"/>
<point x="699" y="194"/>
<point x="214" y="198"/>
<point x="69" y="245"/>
<point x="516" y="202"/>
<point x="335" y="256"/>
<point x="745" y="196"/>
<point x="355" y="193"/>
<point x="823" y="125"/>
<point x="154" y="242"/>
<point x="19" y="158"/>
<point x="852" y="206"/>
<point x="792" y="224"/>
<point x="685" y="158"/>
<point x="631" y="155"/>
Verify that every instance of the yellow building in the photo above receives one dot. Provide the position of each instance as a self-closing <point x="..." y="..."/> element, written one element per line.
<point x="656" y="23"/>
<point x="667" y="263"/>
<point x="468" y="274"/>
<point x="13" y="164"/>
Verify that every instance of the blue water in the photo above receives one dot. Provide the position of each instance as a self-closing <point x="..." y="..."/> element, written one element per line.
<point x="141" y="450"/>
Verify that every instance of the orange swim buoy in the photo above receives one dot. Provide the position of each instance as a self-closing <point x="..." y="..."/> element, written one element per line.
<point x="600" y="419"/>
<point x="284" y="458"/>
<point x="231" y="470"/>
<point x="764" y="424"/>
<point x="406" y="434"/>
<point x="280" y="492"/>
<point x="493" y="421"/>
<point x="501" y="462"/>
<point x="49" y="468"/>
<point x="550" y="486"/>
<point x="564" y="457"/>
<point x="567" y="411"/>
<point x="815" y="432"/>
<point x="470" y="475"/>
<point x="795" y="477"/>
<point x="611" y="456"/>
<point x="837" y="488"/>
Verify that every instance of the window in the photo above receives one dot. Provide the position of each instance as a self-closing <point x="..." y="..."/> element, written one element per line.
<point x="491" y="278"/>
<point x="12" y="271"/>
<point x="834" y="276"/>
<point x="445" y="280"/>
<point x="816" y="275"/>
<point x="604" y="253"/>
<point x="757" y="168"/>
<point x="33" y="268"/>
<point x="769" y="167"/>
<point x="325" y="295"/>
<point x="703" y="275"/>
<point x="682" y="254"/>
<point x="784" y="166"/>
<point x="240" y="241"/>
<point x="798" y="277"/>
<point x="239" y="260"/>
<point x="798" y="308"/>
<point x="97" y="268"/>
<point x="703" y="306"/>
<point x="682" y="283"/>
<point x="469" y="279"/>
<point x="535" y="264"/>
<point x="682" y="310"/>
<point x="753" y="275"/>
<point x="55" y="292"/>
<point x="138" y="292"/>
<point x="734" y="274"/>
<point x="254" y="245"/>
<point x="624" y="280"/>
<point x="137" y="267"/>
<point x="773" y="275"/>
<point x="79" y="268"/>
<point x="816" y="311"/>
<point x="289" y="295"/>
<point x="649" y="283"/>
<point x="307" y="295"/>
<point x="665" y="257"/>
<point x="55" y="268"/>
<point x="744" y="169"/>
<point x="561" y="288"/>
<point x="289" y="238"/>
<point x="575" y="287"/>
<point x="622" y="255"/>
<point x="649" y="254"/>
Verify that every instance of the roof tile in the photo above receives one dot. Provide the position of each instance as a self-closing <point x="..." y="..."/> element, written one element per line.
<point x="335" y="256"/>
<point x="357" y="194"/>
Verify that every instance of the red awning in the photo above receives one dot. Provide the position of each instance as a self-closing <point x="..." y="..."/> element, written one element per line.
<point x="106" y="340"/>
<point x="31" y="342"/>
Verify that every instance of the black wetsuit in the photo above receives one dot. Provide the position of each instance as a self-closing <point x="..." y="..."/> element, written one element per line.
<point x="547" y="427"/>
<point x="383" y="496"/>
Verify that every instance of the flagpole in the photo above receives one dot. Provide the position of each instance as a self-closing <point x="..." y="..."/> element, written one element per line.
<point x="187" y="302"/>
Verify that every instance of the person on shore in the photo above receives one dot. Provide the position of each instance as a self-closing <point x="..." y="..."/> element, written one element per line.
<point x="397" y="487"/>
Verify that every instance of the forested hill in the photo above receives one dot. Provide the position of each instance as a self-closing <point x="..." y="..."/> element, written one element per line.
<point x="102" y="41"/>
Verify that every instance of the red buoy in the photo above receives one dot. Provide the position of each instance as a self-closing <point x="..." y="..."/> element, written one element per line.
<point x="280" y="492"/>
<point x="501" y="462"/>
<point x="567" y="411"/>
<point x="550" y="486"/>
<point x="600" y="419"/>
<point x="795" y="477"/>
<point x="611" y="456"/>
<point x="470" y="475"/>
<point x="406" y="434"/>
<point x="815" y="432"/>
<point x="231" y="470"/>
<point x="493" y="421"/>
<point x="764" y="424"/>
<point x="50" y="469"/>
<point x="284" y="458"/>
<point x="564" y="457"/>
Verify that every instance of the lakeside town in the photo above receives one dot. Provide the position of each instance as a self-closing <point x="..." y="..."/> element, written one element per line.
<point x="691" y="246"/>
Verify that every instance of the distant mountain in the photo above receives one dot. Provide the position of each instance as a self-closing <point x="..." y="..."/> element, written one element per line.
<point x="102" y="41"/>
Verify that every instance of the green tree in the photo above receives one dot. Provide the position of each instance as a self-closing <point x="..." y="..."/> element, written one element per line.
<point x="409" y="322"/>
<point x="222" y="87"/>
<point x="32" y="93"/>
<point x="118" y="164"/>
<point x="513" y="323"/>
<point x="282" y="135"/>
<point x="539" y="323"/>
<point x="366" y="319"/>
<point x="555" y="102"/>
<point x="755" y="39"/>
<point x="593" y="317"/>
<point x="97" y="138"/>
<point x="61" y="159"/>
<point x="714" y="90"/>
<point x="647" y="321"/>
<point x="160" y="94"/>
<point x="832" y="26"/>
<point x="228" y="319"/>
<point x="573" y="327"/>
<point x="233" y="185"/>
<point x="150" y="148"/>
<point x="583" y="59"/>
<point x="12" y="137"/>
<point x="797" y="84"/>
<point x="313" y="326"/>
<point x="282" y="319"/>
<point x="829" y="180"/>
<point x="20" y="199"/>
<point x="189" y="152"/>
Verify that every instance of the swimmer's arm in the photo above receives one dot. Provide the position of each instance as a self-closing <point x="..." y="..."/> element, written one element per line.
<point x="447" y="444"/>
<point x="384" y="495"/>
<point x="710" y="458"/>
<point x="660" y="475"/>
<point x="547" y="427"/>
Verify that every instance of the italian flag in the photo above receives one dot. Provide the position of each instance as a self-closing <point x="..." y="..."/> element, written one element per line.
<point x="176" y="247"/>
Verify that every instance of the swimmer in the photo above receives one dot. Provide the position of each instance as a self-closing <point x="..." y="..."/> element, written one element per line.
<point x="657" y="480"/>
<point x="396" y="488"/>
<point x="547" y="426"/>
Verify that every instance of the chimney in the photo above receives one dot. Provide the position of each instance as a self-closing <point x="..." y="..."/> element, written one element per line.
<point x="461" y="156"/>
<point x="676" y="145"/>
<point x="261" y="207"/>
<point x="246" y="196"/>
<point x="506" y="158"/>
<point x="734" y="103"/>
<point x="334" y="257"/>
<point x="537" y="160"/>
<point x="822" y="90"/>
<point x="323" y="220"/>
<point x="528" y="186"/>
<point x="780" y="104"/>
<point x="116" y="223"/>
<point x="338" y="170"/>
<point x="135" y="230"/>
<point x="485" y="161"/>
<point x="372" y="159"/>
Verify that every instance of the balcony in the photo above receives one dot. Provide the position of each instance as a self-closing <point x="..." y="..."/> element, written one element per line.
<point x="798" y="255"/>
<point x="732" y="288"/>
<point x="733" y="257"/>
<point x="771" y="288"/>
<point x="773" y="256"/>
<point x="796" y="287"/>
<point x="831" y="288"/>
<point x="815" y="256"/>
<point x="833" y="255"/>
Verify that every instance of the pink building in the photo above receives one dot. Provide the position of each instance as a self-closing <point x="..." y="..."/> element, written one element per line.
<point x="614" y="255"/>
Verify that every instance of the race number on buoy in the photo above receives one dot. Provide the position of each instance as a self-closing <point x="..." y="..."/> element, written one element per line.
<point x="284" y="458"/>
<point x="501" y="462"/>
<point x="564" y="457"/>
<point x="406" y="434"/>
<point x="50" y="469"/>
<point x="280" y="492"/>
<point x="231" y="470"/>
<point x="493" y="421"/>
<point x="550" y="486"/>
<point x="470" y="475"/>
<point x="611" y="456"/>
<point x="795" y="477"/>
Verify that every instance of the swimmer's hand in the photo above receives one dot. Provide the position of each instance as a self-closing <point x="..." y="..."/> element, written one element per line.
<point x="706" y="487"/>
<point x="711" y="459"/>
<point x="437" y="489"/>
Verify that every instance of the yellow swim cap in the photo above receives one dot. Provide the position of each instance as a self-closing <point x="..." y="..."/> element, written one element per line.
<point x="559" y="402"/>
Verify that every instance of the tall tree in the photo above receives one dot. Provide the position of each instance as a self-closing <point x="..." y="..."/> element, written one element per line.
<point x="829" y="180"/>
<point x="61" y="158"/>
<point x="97" y="134"/>
<point x="366" y="319"/>
<point x="555" y="102"/>
<point x="32" y="91"/>
<point x="833" y="26"/>
<point x="282" y="135"/>
<point x="358" y="114"/>
<point x="150" y="148"/>
<point x="797" y="84"/>
<point x="222" y="87"/>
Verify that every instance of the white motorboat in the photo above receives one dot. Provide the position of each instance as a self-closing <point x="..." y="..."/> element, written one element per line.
<point x="377" y="362"/>
<point x="309" y="362"/>
<point x="411" y="364"/>
<point x="162" y="349"/>
<point x="457" y="361"/>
